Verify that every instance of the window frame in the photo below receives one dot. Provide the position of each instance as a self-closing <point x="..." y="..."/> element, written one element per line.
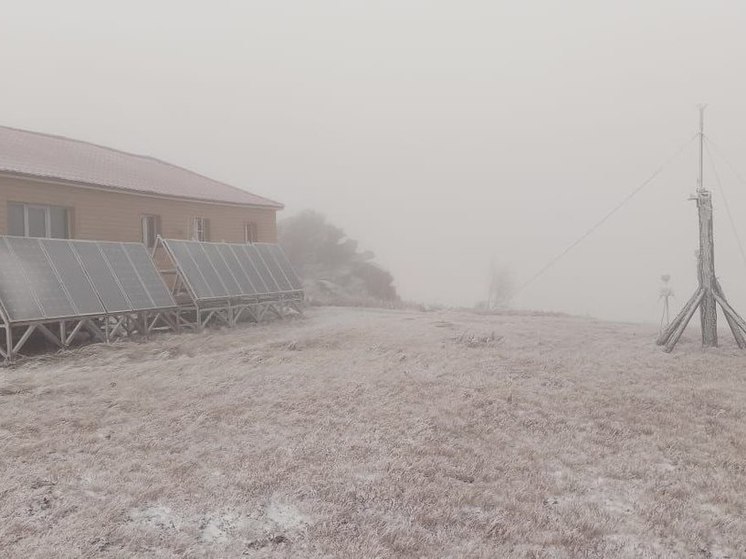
<point x="47" y="220"/>
<point x="47" y="209"/>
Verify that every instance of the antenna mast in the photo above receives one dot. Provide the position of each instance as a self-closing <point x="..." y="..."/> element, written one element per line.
<point x="700" y="181"/>
<point x="709" y="293"/>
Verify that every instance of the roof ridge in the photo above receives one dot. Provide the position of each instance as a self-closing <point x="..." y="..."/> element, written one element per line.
<point x="132" y="154"/>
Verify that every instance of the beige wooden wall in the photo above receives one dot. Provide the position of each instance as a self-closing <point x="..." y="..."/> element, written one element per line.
<point x="112" y="216"/>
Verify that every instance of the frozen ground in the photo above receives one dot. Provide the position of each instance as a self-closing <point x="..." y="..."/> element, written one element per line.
<point x="366" y="433"/>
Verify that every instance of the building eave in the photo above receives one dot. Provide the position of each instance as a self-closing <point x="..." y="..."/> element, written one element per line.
<point x="272" y="205"/>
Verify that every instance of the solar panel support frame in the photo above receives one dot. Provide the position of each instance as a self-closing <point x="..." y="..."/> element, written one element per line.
<point x="63" y="333"/>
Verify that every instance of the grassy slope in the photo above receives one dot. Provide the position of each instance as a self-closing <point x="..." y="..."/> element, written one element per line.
<point x="359" y="433"/>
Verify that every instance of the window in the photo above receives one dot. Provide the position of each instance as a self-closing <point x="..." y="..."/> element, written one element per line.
<point x="151" y="228"/>
<point x="200" y="229"/>
<point x="249" y="232"/>
<point x="32" y="220"/>
<point x="16" y="220"/>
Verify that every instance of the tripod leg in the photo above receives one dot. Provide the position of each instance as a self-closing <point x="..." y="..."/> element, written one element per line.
<point x="736" y="323"/>
<point x="682" y="324"/>
<point x="668" y="332"/>
<point x="737" y="334"/>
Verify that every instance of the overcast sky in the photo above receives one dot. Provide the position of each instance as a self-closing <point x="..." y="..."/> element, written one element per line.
<point x="441" y="134"/>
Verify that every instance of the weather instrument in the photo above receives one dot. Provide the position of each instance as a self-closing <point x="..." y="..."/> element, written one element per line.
<point x="666" y="293"/>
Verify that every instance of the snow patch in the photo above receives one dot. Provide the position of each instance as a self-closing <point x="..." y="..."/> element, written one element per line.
<point x="286" y="516"/>
<point x="160" y="517"/>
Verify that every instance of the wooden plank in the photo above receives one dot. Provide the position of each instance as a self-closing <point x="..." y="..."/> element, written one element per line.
<point x="682" y="324"/>
<point x="730" y="318"/>
<point x="668" y="332"/>
<point x="730" y="311"/>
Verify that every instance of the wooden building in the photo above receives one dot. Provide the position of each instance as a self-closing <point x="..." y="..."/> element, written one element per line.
<point x="52" y="186"/>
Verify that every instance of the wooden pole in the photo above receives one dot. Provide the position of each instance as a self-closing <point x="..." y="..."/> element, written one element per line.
<point x="708" y="310"/>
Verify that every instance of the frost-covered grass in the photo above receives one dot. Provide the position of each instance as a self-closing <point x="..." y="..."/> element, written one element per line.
<point x="372" y="433"/>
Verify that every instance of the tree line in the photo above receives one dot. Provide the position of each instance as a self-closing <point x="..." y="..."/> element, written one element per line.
<point x="334" y="270"/>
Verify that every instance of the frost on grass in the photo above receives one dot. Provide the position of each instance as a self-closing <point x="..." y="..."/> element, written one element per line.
<point x="373" y="433"/>
<point x="278" y="521"/>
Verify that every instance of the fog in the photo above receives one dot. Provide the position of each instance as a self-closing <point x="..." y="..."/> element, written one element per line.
<point x="441" y="135"/>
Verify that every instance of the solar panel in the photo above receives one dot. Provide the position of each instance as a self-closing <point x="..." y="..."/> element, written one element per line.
<point x="247" y="287"/>
<point x="287" y="267"/>
<point x="206" y="268"/>
<point x="102" y="277"/>
<point x="274" y="268"/>
<point x="41" y="278"/>
<point x="232" y="270"/>
<point x="222" y="269"/>
<point x="261" y="267"/>
<point x="15" y="293"/>
<point x="58" y="279"/>
<point x="73" y="277"/>
<point x="127" y="275"/>
<point x="193" y="276"/>
<point x="149" y="276"/>
<point x="246" y="264"/>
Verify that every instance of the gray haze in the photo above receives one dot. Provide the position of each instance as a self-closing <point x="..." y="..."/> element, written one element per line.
<point x="440" y="134"/>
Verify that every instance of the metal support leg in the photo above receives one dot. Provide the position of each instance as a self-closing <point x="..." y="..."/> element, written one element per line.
<point x="74" y="332"/>
<point x="95" y="330"/>
<point x="8" y="339"/>
<point x="49" y="335"/>
<point x="6" y="353"/>
<point x="24" y="338"/>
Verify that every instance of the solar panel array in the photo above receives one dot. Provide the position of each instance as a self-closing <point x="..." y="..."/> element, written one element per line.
<point x="229" y="270"/>
<point x="56" y="279"/>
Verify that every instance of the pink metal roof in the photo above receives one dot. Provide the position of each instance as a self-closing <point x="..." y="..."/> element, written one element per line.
<point x="55" y="157"/>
